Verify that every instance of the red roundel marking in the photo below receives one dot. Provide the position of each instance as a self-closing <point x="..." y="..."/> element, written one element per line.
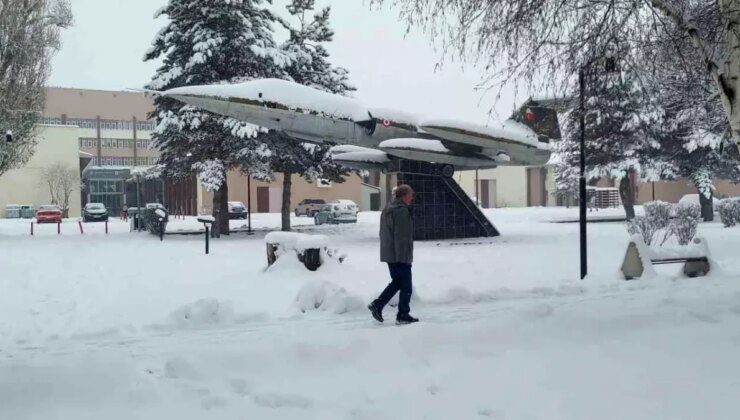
<point x="387" y="123"/>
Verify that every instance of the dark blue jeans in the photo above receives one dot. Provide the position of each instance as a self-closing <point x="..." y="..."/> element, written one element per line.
<point x="401" y="282"/>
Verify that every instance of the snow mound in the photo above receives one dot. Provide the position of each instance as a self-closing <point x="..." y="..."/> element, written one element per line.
<point x="296" y="241"/>
<point x="203" y="313"/>
<point x="327" y="297"/>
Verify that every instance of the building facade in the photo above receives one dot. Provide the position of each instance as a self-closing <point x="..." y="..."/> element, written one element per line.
<point x="510" y="186"/>
<point x="57" y="145"/>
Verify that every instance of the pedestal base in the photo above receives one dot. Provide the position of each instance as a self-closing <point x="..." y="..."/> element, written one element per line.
<point x="442" y="210"/>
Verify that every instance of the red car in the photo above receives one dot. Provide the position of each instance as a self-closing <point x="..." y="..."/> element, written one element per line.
<point x="49" y="214"/>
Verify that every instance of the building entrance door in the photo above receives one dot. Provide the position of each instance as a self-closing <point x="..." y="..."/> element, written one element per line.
<point x="263" y="199"/>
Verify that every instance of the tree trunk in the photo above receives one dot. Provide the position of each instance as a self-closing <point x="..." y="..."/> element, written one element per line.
<point x="627" y="194"/>
<point x="221" y="210"/>
<point x="707" y="207"/>
<point x="285" y="208"/>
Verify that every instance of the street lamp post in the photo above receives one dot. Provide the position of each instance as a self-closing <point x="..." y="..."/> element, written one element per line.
<point x="138" y="202"/>
<point x="609" y="66"/>
<point x="249" y="204"/>
<point x="582" y="178"/>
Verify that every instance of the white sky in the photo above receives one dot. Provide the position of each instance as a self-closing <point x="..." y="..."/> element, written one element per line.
<point x="390" y="68"/>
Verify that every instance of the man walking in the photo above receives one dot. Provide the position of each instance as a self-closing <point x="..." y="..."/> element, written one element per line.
<point x="397" y="249"/>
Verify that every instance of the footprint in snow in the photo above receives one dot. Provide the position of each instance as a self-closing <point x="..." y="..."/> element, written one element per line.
<point x="281" y="401"/>
<point x="241" y="387"/>
<point x="704" y="317"/>
<point x="494" y="414"/>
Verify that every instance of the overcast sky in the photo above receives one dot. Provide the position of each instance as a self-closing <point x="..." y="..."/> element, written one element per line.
<point x="390" y="68"/>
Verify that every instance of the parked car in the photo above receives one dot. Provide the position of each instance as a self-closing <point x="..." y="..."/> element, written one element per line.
<point x="49" y="214"/>
<point x="694" y="199"/>
<point x="349" y="205"/>
<point x="335" y="213"/>
<point x="12" y="211"/>
<point x="95" y="212"/>
<point x="237" y="210"/>
<point x="28" y="212"/>
<point x="309" y="207"/>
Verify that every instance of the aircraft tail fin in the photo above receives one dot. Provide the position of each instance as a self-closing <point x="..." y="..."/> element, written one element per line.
<point x="541" y="115"/>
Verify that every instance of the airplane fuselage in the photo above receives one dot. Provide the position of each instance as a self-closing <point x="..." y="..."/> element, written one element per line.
<point x="356" y="125"/>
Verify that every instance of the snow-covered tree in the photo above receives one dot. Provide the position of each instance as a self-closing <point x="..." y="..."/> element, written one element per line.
<point x="206" y="42"/>
<point x="310" y="66"/>
<point x="615" y="134"/>
<point x="688" y="149"/>
<point x="567" y="176"/>
<point x="61" y="181"/>
<point x="547" y="41"/>
<point x="29" y="36"/>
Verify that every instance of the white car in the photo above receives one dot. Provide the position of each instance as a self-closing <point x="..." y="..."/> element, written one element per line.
<point x="334" y="213"/>
<point x="348" y="205"/>
<point x="694" y="199"/>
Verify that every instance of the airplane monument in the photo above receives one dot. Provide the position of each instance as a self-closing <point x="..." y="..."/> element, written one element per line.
<point x="423" y="153"/>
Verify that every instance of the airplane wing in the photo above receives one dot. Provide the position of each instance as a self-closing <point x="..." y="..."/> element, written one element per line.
<point x="361" y="158"/>
<point x="431" y="150"/>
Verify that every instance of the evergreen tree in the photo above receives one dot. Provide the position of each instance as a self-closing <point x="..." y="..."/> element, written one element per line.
<point x="615" y="135"/>
<point x="309" y="66"/>
<point x="207" y="42"/>
<point x="690" y="139"/>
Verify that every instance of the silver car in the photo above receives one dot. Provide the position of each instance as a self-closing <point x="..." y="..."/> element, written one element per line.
<point x="309" y="207"/>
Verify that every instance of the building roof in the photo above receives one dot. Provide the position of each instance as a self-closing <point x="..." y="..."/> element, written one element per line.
<point x="87" y="103"/>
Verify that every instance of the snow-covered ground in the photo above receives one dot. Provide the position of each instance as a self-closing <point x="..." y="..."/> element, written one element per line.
<point x="123" y="326"/>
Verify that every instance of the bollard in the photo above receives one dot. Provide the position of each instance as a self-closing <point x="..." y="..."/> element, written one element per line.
<point x="106" y="227"/>
<point x="82" y="232"/>
<point x="59" y="228"/>
<point x="161" y="230"/>
<point x="207" y="236"/>
<point x="31" y="228"/>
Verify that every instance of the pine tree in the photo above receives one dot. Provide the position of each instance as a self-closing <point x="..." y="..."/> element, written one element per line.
<point x="615" y="135"/>
<point x="310" y="66"/>
<point x="690" y="139"/>
<point x="207" y="42"/>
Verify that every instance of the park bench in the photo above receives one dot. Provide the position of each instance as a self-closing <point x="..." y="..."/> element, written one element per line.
<point x="640" y="259"/>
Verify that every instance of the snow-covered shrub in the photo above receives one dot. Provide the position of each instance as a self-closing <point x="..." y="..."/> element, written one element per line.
<point x="687" y="210"/>
<point x="644" y="226"/>
<point x="659" y="212"/>
<point x="729" y="212"/>
<point x="683" y="227"/>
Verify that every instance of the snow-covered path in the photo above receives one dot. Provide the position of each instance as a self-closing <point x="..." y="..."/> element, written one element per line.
<point x="123" y="326"/>
<point x="634" y="353"/>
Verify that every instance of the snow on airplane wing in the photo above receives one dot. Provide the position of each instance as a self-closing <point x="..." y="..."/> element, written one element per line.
<point x="355" y="157"/>
<point x="486" y="137"/>
<point x="430" y="150"/>
<point x="346" y="148"/>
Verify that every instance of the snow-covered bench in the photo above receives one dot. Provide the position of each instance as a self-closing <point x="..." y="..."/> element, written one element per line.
<point x="640" y="258"/>
<point x="308" y="248"/>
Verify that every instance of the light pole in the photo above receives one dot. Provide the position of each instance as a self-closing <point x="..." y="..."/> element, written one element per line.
<point x="249" y="204"/>
<point x="582" y="178"/>
<point x="138" y="202"/>
<point x="610" y="66"/>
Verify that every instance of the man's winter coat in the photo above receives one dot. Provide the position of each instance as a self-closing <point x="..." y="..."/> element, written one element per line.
<point x="397" y="233"/>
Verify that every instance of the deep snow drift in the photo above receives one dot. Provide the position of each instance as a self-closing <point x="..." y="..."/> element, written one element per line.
<point x="123" y="326"/>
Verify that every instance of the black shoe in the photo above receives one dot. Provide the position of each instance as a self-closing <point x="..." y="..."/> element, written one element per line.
<point x="377" y="313"/>
<point x="406" y="319"/>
